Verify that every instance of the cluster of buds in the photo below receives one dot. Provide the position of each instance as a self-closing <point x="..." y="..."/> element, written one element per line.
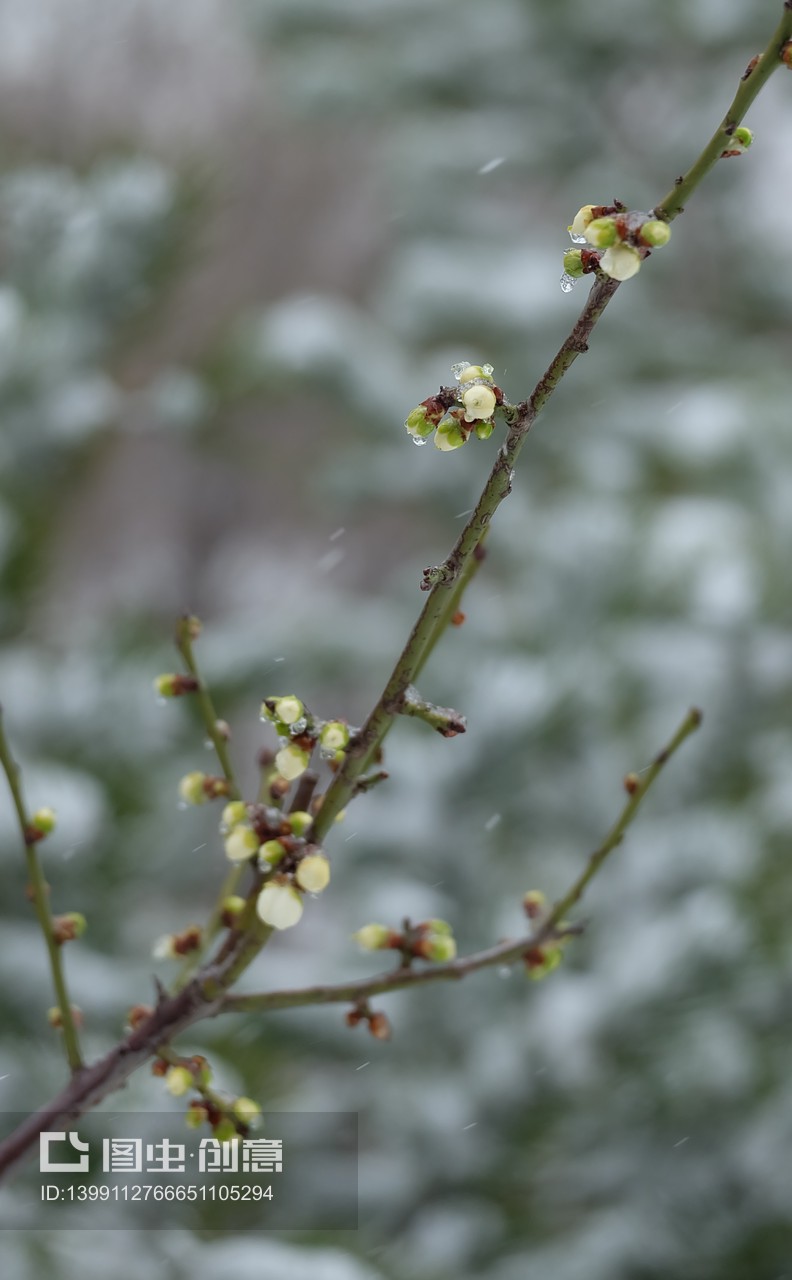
<point x="277" y="842"/>
<point x="546" y="956"/>
<point x="188" y="1073"/>
<point x="227" y="1121"/>
<point x="619" y="240"/>
<point x="376" y="1021"/>
<point x="300" y="732"/>
<point x="55" y="1017"/>
<point x="428" y="940"/>
<point x="457" y="413"/>
<point x="197" y="787"/>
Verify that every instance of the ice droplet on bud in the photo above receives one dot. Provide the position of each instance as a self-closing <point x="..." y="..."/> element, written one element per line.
<point x="298" y="727"/>
<point x="567" y="283"/>
<point x="419" y="440"/>
<point x="577" y="239"/>
<point x="460" y="367"/>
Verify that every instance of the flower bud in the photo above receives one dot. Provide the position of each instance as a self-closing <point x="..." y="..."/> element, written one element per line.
<point x="225" y="1131"/>
<point x="334" y="736"/>
<point x="279" y="905"/>
<point x="164" y="948"/>
<point x="231" y="909"/>
<point x="540" y="961"/>
<point x="67" y="927"/>
<point x="191" y="788"/>
<point x="573" y="263"/>
<point x="438" y="947"/>
<point x="373" y="937"/>
<point x="299" y="822"/>
<point x="419" y="423"/>
<point x="43" y="822"/>
<point x="291" y="761"/>
<point x="449" y="435"/>
<point x="246" y="1110"/>
<point x="620" y="262"/>
<point x="534" y="903"/>
<point x="233" y="814"/>
<point x="437" y="926"/>
<point x="174" y="685"/>
<point x="288" y="709"/>
<point x="464" y="372"/>
<point x="581" y="220"/>
<point x="742" y="137"/>
<point x="313" y="873"/>
<point x="479" y="402"/>
<point x="196" y="1114"/>
<point x="379" y="1026"/>
<point x="655" y="233"/>
<point x="602" y="233"/>
<point x="241" y="843"/>
<point x="55" y="1016"/>
<point x="272" y="852"/>
<point x="484" y="430"/>
<point x="178" y="1080"/>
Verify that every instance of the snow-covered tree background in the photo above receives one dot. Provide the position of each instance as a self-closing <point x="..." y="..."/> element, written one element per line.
<point x="238" y="243"/>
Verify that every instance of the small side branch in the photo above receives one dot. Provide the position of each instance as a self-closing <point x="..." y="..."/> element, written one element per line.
<point x="39" y="891"/>
<point x="447" y="722"/>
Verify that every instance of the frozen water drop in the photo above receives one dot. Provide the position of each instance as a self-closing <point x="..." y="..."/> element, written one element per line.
<point x="459" y="368"/>
<point x="567" y="283"/>
<point x="298" y="726"/>
<point x="576" y="239"/>
<point x="419" y="440"/>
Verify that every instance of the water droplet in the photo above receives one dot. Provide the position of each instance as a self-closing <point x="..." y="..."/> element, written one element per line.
<point x="298" y="726"/>
<point x="576" y="239"/>
<point x="327" y="753"/>
<point x="208" y="744"/>
<point x="419" y="440"/>
<point x="567" y="283"/>
<point x="504" y="971"/>
<point x="460" y="367"/>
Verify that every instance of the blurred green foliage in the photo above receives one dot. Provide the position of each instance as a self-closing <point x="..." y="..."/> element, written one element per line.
<point x="630" y="1116"/>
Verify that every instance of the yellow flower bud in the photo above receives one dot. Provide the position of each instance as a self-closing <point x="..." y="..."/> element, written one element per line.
<point x="279" y="905"/>
<point x="479" y="402"/>
<point x="241" y="844"/>
<point x="291" y="761"/>
<point x="313" y="873"/>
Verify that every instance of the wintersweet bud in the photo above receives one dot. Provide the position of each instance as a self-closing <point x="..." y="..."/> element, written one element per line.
<point x="313" y="873"/>
<point x="173" y="684"/>
<point x="272" y="852"/>
<point x="69" y="926"/>
<point x="289" y="709"/>
<point x="241" y="843"/>
<point x="55" y="1016"/>
<point x="225" y="1131"/>
<point x="191" y="788"/>
<point x="655" y="233"/>
<point x="373" y="937"/>
<point x="620" y="262"/>
<point x="334" y="736"/>
<point x="479" y="402"/>
<point x="291" y="761"/>
<point x="438" y="926"/>
<point x="247" y="1111"/>
<point x="438" y="947"/>
<point x="581" y="220"/>
<point x="542" y="960"/>
<point x="602" y="232"/>
<point x="534" y="903"/>
<point x="449" y="435"/>
<point x="484" y="429"/>
<point x="196" y="1114"/>
<point x="279" y="905"/>
<point x="299" y="822"/>
<point x="164" y="948"/>
<point x="42" y="824"/>
<point x="231" y="909"/>
<point x="573" y="263"/>
<point x="419" y="423"/>
<point x="233" y="814"/>
<point x="178" y="1080"/>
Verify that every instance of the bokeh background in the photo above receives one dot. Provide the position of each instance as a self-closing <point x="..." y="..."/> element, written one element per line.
<point x="238" y="242"/>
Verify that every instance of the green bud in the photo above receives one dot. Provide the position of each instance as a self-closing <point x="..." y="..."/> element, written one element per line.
<point x="43" y="821"/>
<point x="191" y="788"/>
<point x="241" y="843"/>
<point x="418" y="423"/>
<point x="743" y="136"/>
<point x="373" y="937"/>
<point x="299" y="822"/>
<point x="195" y="1115"/>
<point x="292" y="761"/>
<point x="438" y="926"/>
<point x="484" y="430"/>
<point x="178" y="1080"/>
<point x="438" y="947"/>
<point x="449" y="435"/>
<point x="573" y="263"/>
<point x="655" y="233"/>
<point x="602" y="233"/>
<point x="272" y="852"/>
<point x="233" y="813"/>
<point x="246" y="1110"/>
<point x="232" y="907"/>
<point x="313" y="873"/>
<point x="334" y="736"/>
<point x="225" y="1131"/>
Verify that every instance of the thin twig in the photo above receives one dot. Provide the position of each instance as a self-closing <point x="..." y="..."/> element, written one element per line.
<point x="38" y="886"/>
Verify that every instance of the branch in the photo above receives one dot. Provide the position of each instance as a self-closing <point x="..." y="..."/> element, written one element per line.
<point x="39" y="890"/>
<point x="551" y="928"/>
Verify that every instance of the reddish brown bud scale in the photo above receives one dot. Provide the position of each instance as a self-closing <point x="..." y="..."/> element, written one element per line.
<point x="631" y="783"/>
<point x="379" y="1026"/>
<point x="138" y="1014"/>
<point x="159" y="1067"/>
<point x="458" y="618"/>
<point x="189" y="940"/>
<point x="534" y="958"/>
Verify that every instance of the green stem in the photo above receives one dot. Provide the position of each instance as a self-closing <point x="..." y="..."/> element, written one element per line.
<point x="750" y="85"/>
<point x="38" y="886"/>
